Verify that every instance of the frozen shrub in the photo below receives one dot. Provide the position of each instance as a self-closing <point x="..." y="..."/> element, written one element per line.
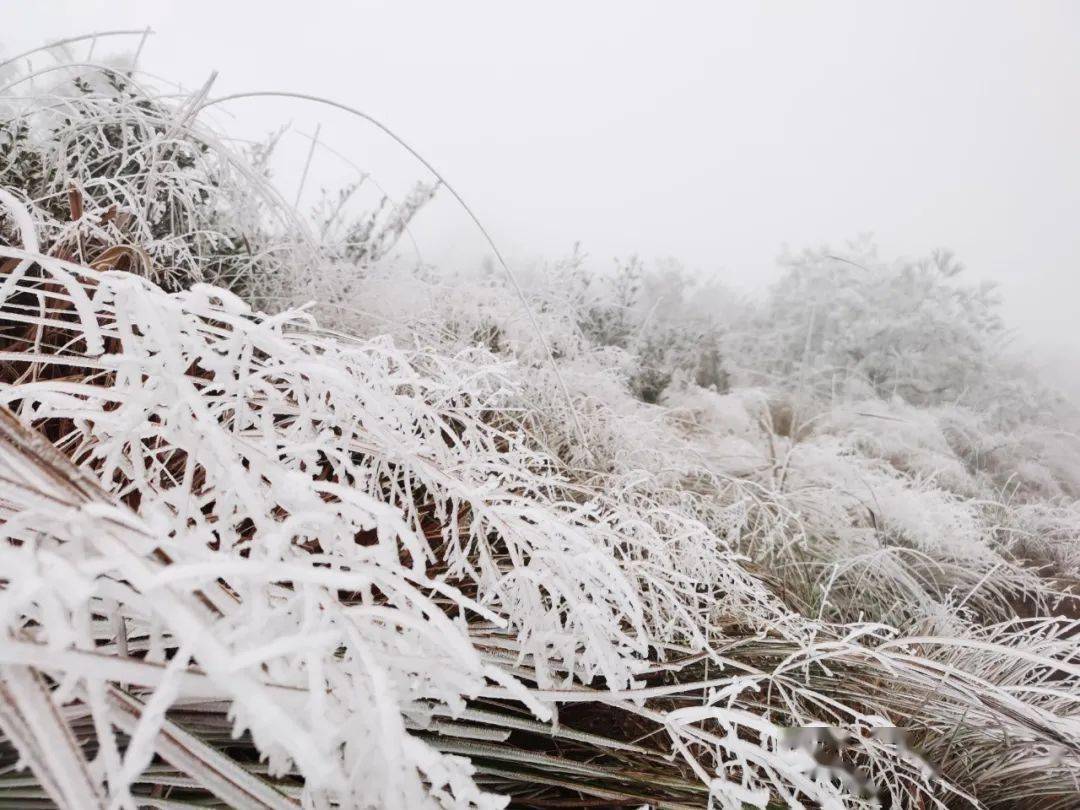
<point x="908" y="329"/>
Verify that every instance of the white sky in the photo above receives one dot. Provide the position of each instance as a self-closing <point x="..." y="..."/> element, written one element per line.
<point x="713" y="132"/>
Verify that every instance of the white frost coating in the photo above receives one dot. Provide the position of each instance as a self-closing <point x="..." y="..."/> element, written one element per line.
<point x="327" y="540"/>
<point x="23" y="221"/>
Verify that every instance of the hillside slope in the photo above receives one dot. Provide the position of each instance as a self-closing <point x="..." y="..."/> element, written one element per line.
<point x="412" y="547"/>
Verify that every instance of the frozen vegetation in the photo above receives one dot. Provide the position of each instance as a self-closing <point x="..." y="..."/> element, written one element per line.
<point x="455" y="538"/>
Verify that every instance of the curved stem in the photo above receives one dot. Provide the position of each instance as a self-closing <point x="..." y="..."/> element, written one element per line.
<point x="476" y="221"/>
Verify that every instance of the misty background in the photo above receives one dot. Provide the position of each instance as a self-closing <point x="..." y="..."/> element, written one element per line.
<point x="717" y="134"/>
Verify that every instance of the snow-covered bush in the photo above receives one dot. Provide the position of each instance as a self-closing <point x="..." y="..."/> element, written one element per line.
<point x="908" y="328"/>
<point x="119" y="177"/>
<point x="670" y="324"/>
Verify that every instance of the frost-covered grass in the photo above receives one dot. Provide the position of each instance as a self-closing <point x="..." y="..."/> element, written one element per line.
<point x="373" y="554"/>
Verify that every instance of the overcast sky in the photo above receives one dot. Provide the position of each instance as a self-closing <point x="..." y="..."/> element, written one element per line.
<point x="714" y="132"/>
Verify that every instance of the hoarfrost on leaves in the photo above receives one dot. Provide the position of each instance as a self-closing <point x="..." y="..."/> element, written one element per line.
<point x="355" y="554"/>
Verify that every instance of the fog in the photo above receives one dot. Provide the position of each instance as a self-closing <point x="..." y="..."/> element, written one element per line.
<point x="718" y="135"/>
